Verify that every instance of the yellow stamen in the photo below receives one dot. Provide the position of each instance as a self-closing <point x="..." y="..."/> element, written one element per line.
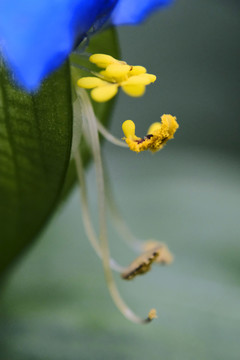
<point x="144" y="79"/>
<point x="165" y="257"/>
<point x="141" y="265"/>
<point x="134" y="90"/>
<point x="135" y="85"/>
<point x="104" y="93"/>
<point x="154" y="127"/>
<point x="102" y="60"/>
<point x="164" y="133"/>
<point x="137" y="70"/>
<point x="152" y="314"/>
<point x="128" y="128"/>
<point x="90" y="82"/>
<point x="158" y="135"/>
<point x="116" y="72"/>
<point x="132" y="79"/>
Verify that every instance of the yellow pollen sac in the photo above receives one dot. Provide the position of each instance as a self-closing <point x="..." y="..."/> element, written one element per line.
<point x="102" y="60"/>
<point x="152" y="314"/>
<point x="116" y="73"/>
<point x="134" y="90"/>
<point x="135" y="85"/>
<point x="165" y="257"/>
<point x="128" y="128"/>
<point x="104" y="93"/>
<point x="163" y="133"/>
<point x="137" y="70"/>
<point x="141" y="265"/>
<point x="90" y="82"/>
<point x="154" y="127"/>
<point x="141" y="79"/>
<point x="158" y="135"/>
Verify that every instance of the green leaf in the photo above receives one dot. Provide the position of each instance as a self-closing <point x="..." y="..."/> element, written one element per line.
<point x="35" y="144"/>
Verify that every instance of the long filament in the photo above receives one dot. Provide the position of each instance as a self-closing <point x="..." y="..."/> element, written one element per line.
<point x="92" y="124"/>
<point x="108" y="136"/>
<point x="120" y="225"/>
<point x="91" y="234"/>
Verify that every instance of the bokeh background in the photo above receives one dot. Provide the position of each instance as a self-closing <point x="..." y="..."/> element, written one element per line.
<point x="56" y="305"/>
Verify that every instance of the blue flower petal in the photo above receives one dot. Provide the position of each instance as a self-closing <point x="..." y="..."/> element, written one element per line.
<point x="36" y="36"/>
<point x="134" y="11"/>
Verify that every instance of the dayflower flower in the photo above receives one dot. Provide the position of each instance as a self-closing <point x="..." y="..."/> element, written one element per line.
<point x="37" y="36"/>
<point x="35" y="39"/>
<point x="157" y="136"/>
<point x="132" y="79"/>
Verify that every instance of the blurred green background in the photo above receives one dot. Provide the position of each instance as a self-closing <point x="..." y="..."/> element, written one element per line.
<point x="56" y="305"/>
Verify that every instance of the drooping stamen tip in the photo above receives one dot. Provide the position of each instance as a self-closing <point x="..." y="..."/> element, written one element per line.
<point x="165" y="257"/>
<point x="141" y="265"/>
<point x="152" y="315"/>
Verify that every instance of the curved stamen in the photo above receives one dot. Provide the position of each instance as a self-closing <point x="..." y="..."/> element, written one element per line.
<point x="140" y="246"/>
<point x="120" y="225"/>
<point x="108" y="136"/>
<point x="91" y="234"/>
<point x="92" y="125"/>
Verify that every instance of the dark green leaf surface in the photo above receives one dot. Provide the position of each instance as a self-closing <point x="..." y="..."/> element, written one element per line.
<point x="35" y="143"/>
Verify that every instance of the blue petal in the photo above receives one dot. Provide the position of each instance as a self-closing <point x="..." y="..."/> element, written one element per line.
<point x="134" y="11"/>
<point x="36" y="36"/>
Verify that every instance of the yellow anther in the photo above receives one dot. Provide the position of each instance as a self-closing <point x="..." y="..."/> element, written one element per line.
<point x="141" y="265"/>
<point x="128" y="128"/>
<point x="154" y="127"/>
<point x="142" y="79"/>
<point x="102" y="60"/>
<point x="135" y="85"/>
<point x="170" y="122"/>
<point x="151" y="78"/>
<point x="137" y="70"/>
<point x="152" y="314"/>
<point x="90" y="82"/>
<point x="104" y="93"/>
<point x="134" y="90"/>
<point x="165" y="257"/>
<point x="116" y="72"/>
<point x="158" y="135"/>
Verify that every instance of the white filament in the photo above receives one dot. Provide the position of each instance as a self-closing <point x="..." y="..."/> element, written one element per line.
<point x="95" y="145"/>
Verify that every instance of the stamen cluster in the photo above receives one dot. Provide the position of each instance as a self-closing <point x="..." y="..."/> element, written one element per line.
<point x="105" y="84"/>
